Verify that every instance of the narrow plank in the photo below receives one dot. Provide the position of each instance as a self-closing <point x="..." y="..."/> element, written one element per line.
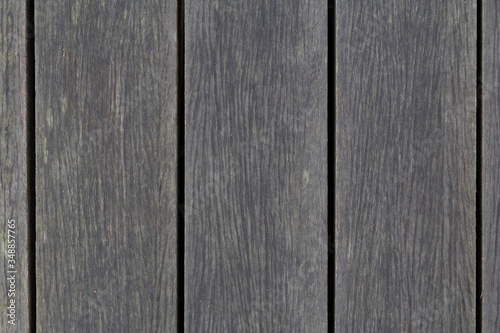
<point x="13" y="174"/>
<point x="491" y="166"/>
<point x="106" y="142"/>
<point x="405" y="166"/>
<point x="256" y="166"/>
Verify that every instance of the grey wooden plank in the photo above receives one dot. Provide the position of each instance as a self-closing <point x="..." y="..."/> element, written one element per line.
<point x="106" y="154"/>
<point x="13" y="173"/>
<point x="256" y="166"/>
<point x="491" y="165"/>
<point x="405" y="166"/>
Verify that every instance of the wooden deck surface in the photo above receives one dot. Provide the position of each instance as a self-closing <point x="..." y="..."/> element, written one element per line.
<point x="106" y="139"/>
<point x="490" y="87"/>
<point x="256" y="139"/>
<point x="13" y="169"/>
<point x="405" y="166"/>
<point x="250" y="166"/>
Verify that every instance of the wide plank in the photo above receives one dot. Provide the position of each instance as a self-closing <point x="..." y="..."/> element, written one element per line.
<point x="14" y="317"/>
<point x="106" y="155"/>
<point x="256" y="166"/>
<point x="491" y="165"/>
<point x="405" y="229"/>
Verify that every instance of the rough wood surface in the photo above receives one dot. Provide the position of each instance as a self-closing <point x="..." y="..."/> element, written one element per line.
<point x="256" y="166"/>
<point x="106" y="155"/>
<point x="491" y="166"/>
<point x="405" y="166"/>
<point x="13" y="183"/>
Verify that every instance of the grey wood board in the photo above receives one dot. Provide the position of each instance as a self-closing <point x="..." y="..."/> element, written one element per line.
<point x="405" y="229"/>
<point x="491" y="166"/>
<point x="106" y="156"/>
<point x="256" y="166"/>
<point x="13" y="173"/>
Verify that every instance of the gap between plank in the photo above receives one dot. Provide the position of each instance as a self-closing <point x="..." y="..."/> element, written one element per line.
<point x="30" y="160"/>
<point x="479" y="171"/>
<point x="180" y="166"/>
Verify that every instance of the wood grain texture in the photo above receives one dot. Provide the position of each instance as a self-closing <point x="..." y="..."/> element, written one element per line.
<point x="13" y="176"/>
<point x="106" y="155"/>
<point x="405" y="166"/>
<point x="491" y="166"/>
<point x="256" y="166"/>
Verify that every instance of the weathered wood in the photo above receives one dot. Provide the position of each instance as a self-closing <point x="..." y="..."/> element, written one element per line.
<point x="491" y="166"/>
<point x="13" y="175"/>
<point x="256" y="166"/>
<point x="405" y="166"/>
<point x="106" y="148"/>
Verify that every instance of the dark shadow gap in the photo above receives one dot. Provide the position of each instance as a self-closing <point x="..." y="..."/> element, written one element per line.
<point x="180" y="166"/>
<point x="479" y="170"/>
<point x="30" y="160"/>
<point x="331" y="166"/>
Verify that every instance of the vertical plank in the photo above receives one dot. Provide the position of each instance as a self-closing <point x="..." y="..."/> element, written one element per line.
<point x="106" y="142"/>
<point x="13" y="176"/>
<point x="256" y="166"/>
<point x="405" y="166"/>
<point x="491" y="165"/>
